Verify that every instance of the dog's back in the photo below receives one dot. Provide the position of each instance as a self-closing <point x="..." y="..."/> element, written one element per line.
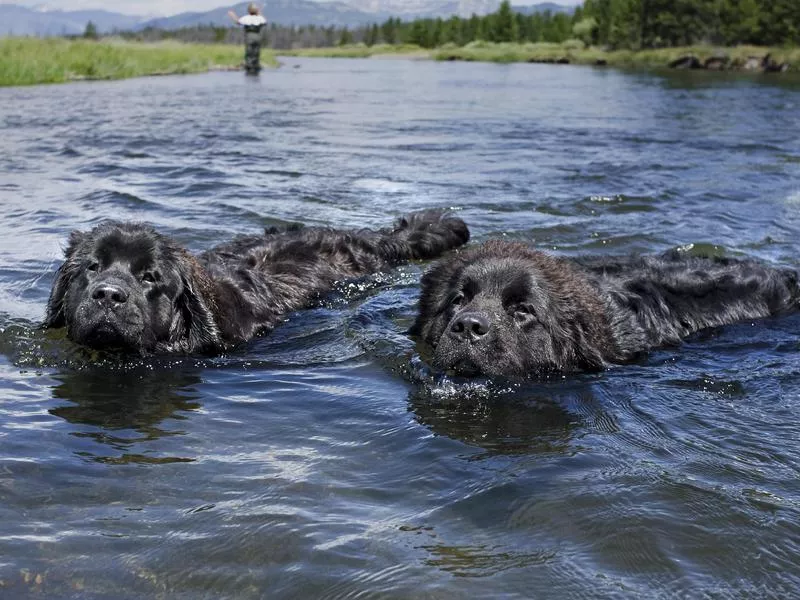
<point x="659" y="300"/>
<point x="261" y="278"/>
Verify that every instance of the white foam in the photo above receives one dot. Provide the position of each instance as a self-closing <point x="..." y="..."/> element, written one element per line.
<point x="794" y="198"/>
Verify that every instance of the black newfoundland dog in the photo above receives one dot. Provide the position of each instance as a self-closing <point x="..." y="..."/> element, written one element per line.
<point x="124" y="286"/>
<point x="506" y="309"/>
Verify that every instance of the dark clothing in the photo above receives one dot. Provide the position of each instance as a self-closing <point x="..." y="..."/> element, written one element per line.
<point x="252" y="49"/>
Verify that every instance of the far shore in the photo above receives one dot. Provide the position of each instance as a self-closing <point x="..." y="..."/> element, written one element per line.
<point x="28" y="61"/>
<point x="738" y="58"/>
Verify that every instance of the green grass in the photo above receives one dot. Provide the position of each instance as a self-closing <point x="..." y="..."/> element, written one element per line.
<point x="575" y="53"/>
<point x="26" y="61"/>
<point x="572" y="51"/>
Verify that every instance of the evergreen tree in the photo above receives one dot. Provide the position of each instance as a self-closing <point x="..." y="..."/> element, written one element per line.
<point x="371" y="35"/>
<point x="418" y="34"/>
<point x="523" y="28"/>
<point x="535" y="28"/>
<point x="90" y="33"/>
<point x="476" y="29"/>
<point x="436" y="37"/>
<point x="389" y="31"/>
<point x="613" y="23"/>
<point x="451" y="30"/>
<point x="503" y="25"/>
<point x="741" y="22"/>
<point x="625" y="26"/>
<point x="676" y="22"/>
<point x="780" y="22"/>
<point x="556" y="28"/>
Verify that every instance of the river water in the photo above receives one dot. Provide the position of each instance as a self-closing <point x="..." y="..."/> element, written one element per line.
<point x="325" y="460"/>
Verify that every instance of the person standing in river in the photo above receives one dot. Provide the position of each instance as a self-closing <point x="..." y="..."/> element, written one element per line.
<point x="252" y="23"/>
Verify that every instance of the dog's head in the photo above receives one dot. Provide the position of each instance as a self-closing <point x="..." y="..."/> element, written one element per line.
<point x="124" y="286"/>
<point x="504" y="309"/>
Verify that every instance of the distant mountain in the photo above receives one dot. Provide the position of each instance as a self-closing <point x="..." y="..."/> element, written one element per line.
<point x="425" y="8"/>
<point x="446" y="8"/>
<point x="544" y="7"/>
<point x="349" y="13"/>
<point x="19" y="20"/>
<point x="282" y="12"/>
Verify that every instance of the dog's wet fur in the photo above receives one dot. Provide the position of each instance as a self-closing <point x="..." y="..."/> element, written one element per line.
<point x="124" y="286"/>
<point x="506" y="309"/>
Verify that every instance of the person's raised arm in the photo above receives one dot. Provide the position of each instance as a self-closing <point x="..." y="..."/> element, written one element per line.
<point x="233" y="16"/>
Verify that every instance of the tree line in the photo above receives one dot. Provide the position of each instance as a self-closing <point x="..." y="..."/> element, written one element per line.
<point x="664" y="23"/>
<point x="616" y="24"/>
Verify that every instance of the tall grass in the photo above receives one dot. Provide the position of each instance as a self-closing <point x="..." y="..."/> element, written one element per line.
<point x="571" y="51"/>
<point x="574" y="52"/>
<point x="25" y="61"/>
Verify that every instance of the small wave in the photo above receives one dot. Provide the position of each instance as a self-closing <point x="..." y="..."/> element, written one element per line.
<point x="617" y="205"/>
<point x="131" y="154"/>
<point x="793" y="198"/>
<point x="104" y="169"/>
<point x="386" y="186"/>
<point x="283" y="173"/>
<point x="195" y="172"/>
<point x="70" y="152"/>
<point x="712" y="385"/>
<point x="115" y="198"/>
<point x="200" y="190"/>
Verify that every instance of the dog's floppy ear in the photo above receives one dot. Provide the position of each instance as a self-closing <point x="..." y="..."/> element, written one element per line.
<point x="435" y="287"/>
<point x="64" y="276"/>
<point x="198" y="308"/>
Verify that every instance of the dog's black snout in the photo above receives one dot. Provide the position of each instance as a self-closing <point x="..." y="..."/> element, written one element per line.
<point x="109" y="294"/>
<point x="470" y="325"/>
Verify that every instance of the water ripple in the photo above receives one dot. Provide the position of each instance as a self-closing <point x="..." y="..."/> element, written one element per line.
<point x="327" y="459"/>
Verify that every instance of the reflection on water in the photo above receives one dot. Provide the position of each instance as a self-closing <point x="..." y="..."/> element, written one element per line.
<point x="327" y="460"/>
<point x="126" y="409"/>
<point x="500" y="423"/>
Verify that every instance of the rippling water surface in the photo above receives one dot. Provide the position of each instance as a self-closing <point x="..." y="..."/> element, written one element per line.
<point x="324" y="460"/>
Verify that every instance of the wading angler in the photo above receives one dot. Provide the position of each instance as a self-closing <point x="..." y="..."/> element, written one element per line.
<point x="252" y="23"/>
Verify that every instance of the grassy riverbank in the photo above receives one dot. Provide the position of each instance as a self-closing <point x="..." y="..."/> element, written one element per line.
<point x="361" y="51"/>
<point x="26" y="61"/>
<point x="568" y="52"/>
<point x="577" y="54"/>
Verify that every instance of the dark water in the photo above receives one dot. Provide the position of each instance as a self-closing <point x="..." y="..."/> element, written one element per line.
<point x="323" y="460"/>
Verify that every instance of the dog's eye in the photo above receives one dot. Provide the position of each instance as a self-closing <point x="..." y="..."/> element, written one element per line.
<point x="523" y="313"/>
<point x="458" y="299"/>
<point x="93" y="267"/>
<point x="150" y="277"/>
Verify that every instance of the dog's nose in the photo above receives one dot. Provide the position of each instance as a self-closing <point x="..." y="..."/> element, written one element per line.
<point x="105" y="293"/>
<point x="470" y="325"/>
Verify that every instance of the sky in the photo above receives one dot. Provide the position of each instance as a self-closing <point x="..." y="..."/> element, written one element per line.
<point x="171" y="7"/>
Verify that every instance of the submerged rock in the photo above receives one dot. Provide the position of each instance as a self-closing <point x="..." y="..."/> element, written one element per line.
<point x="753" y="63"/>
<point x="771" y="66"/>
<point x="688" y="61"/>
<point x="716" y="63"/>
